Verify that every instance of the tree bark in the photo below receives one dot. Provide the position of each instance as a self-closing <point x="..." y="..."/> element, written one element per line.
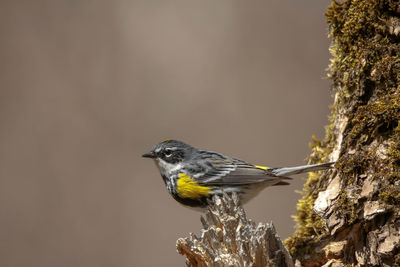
<point x="351" y="215"/>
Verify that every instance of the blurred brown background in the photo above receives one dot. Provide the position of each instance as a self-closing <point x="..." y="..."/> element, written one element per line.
<point x="86" y="87"/>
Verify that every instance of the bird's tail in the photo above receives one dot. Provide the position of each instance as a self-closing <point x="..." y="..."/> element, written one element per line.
<point x="300" y="169"/>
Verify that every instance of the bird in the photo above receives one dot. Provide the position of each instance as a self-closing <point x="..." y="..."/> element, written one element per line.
<point x="193" y="176"/>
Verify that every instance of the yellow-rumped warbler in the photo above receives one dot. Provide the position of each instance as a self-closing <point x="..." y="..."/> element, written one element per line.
<point x="193" y="176"/>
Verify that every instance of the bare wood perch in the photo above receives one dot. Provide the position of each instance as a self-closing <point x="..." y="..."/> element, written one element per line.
<point x="230" y="239"/>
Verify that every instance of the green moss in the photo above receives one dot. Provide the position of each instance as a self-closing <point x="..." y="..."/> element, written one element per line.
<point x="365" y="73"/>
<point x="363" y="53"/>
<point x="391" y="195"/>
<point x="364" y="70"/>
<point x="346" y="208"/>
<point x="375" y="118"/>
<point x="393" y="151"/>
<point x="391" y="191"/>
<point x="308" y="223"/>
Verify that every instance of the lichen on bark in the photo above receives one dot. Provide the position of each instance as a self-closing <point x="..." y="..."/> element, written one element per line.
<point x="351" y="215"/>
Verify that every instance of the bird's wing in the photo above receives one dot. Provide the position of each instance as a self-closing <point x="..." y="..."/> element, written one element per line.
<point x="222" y="170"/>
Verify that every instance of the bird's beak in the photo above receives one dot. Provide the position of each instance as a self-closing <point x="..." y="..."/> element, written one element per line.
<point x="149" y="155"/>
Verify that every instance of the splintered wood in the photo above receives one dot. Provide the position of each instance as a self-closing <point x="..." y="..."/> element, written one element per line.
<point x="230" y="239"/>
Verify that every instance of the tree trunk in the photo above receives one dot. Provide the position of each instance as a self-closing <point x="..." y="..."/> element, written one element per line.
<point x="351" y="215"/>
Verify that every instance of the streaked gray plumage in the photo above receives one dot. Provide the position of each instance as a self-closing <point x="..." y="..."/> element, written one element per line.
<point x="213" y="173"/>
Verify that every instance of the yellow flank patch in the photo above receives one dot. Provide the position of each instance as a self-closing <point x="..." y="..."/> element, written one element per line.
<point x="189" y="188"/>
<point x="261" y="167"/>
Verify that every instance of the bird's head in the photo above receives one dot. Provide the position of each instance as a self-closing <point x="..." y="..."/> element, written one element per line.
<point x="169" y="154"/>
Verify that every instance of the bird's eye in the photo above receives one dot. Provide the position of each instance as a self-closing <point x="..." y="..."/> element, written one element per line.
<point x="168" y="153"/>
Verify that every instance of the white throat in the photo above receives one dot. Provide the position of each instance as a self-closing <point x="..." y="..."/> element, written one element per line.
<point x="167" y="168"/>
